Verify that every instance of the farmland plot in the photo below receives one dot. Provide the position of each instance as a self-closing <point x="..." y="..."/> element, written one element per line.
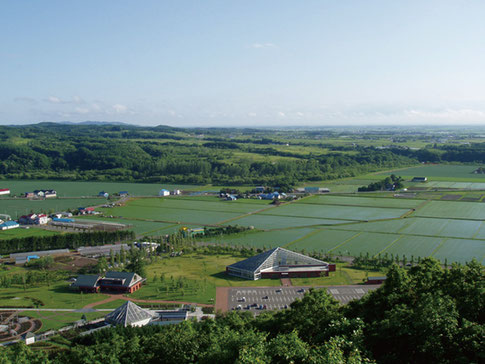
<point x="198" y="204"/>
<point x="417" y="246"/>
<point x="79" y="189"/>
<point x="460" y="250"/>
<point x="261" y="221"/>
<point x="453" y="210"/>
<point x="362" y="201"/>
<point x="386" y="226"/>
<point x="440" y="170"/>
<point x="336" y="212"/>
<point x="21" y="206"/>
<point x="371" y="243"/>
<point x="260" y="239"/>
<point x="323" y="240"/>
<point x="171" y="214"/>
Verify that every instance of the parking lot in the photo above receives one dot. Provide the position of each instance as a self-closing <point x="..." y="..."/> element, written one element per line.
<point x="257" y="299"/>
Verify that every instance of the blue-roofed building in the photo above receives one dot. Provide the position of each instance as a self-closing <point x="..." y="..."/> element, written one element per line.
<point x="62" y="219"/>
<point x="269" y="196"/>
<point x="10" y="224"/>
<point x="279" y="263"/>
<point x="123" y="193"/>
<point x="164" y="192"/>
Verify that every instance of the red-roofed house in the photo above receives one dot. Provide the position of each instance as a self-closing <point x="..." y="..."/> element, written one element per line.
<point x="34" y="219"/>
<point x="4" y="191"/>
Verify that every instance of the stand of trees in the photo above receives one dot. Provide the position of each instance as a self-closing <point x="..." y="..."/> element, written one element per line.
<point x="387" y="184"/>
<point x="425" y="314"/>
<point x="63" y="241"/>
<point x="110" y="153"/>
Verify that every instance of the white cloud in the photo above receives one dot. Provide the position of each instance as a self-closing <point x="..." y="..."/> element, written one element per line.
<point x="120" y="109"/>
<point x="281" y="114"/>
<point x="78" y="100"/>
<point x="252" y="114"/>
<point x="448" y="114"/>
<point x="81" y="110"/>
<point x="263" y="45"/>
<point x="54" y="100"/>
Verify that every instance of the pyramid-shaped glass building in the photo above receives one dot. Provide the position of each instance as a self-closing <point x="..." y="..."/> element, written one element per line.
<point x="279" y="263"/>
<point x="129" y="314"/>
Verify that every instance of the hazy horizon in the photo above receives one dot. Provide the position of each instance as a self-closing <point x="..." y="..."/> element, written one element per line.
<point x="261" y="64"/>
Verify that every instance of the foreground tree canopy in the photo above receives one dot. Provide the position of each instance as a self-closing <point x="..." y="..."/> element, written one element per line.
<point x="422" y="315"/>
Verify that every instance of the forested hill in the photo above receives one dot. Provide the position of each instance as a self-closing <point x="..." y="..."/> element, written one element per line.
<point x="198" y="156"/>
<point x="425" y="314"/>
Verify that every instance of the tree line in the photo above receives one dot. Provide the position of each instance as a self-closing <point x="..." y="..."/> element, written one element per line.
<point x="63" y="241"/>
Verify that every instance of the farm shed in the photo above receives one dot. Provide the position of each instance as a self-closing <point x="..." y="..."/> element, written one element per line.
<point x="419" y="179"/>
<point x="279" y="263"/>
<point x="164" y="192"/>
<point x="129" y="314"/>
<point x="9" y="225"/>
<point x="4" y="191"/>
<point x="375" y="280"/>
<point x="96" y="251"/>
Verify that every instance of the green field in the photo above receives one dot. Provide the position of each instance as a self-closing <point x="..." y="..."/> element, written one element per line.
<point x="268" y="222"/>
<point x="322" y="240"/>
<point x="459" y="250"/>
<point x="140" y="227"/>
<point x="80" y="189"/>
<point x="453" y="210"/>
<point x="21" y="206"/>
<point x="442" y="171"/>
<point x="260" y="239"/>
<point x="350" y="213"/>
<point x="363" y="201"/>
<point x="24" y="233"/>
<point x="185" y="211"/>
<point x="339" y="224"/>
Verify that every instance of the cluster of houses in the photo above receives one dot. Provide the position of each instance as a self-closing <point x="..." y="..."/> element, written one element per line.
<point x="34" y="219"/>
<point x="41" y="194"/>
<point x="164" y="192"/>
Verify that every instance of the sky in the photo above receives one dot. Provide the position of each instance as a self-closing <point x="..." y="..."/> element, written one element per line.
<point x="243" y="63"/>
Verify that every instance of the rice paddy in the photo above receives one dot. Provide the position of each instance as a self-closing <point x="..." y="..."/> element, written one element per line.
<point x="446" y="225"/>
<point x="340" y="225"/>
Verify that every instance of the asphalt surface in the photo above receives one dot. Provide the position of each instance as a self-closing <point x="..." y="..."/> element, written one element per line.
<point x="257" y="299"/>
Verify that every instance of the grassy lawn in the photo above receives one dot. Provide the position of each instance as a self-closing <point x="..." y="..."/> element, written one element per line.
<point x="54" y="320"/>
<point x="58" y="295"/>
<point x="193" y="278"/>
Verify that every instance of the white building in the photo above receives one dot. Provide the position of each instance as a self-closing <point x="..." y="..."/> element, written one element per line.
<point x="164" y="192"/>
<point x="4" y="191"/>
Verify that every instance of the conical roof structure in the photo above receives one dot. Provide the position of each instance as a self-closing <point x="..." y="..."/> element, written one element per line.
<point x="129" y="314"/>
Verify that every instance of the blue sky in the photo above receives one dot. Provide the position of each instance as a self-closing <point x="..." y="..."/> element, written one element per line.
<point x="243" y="63"/>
